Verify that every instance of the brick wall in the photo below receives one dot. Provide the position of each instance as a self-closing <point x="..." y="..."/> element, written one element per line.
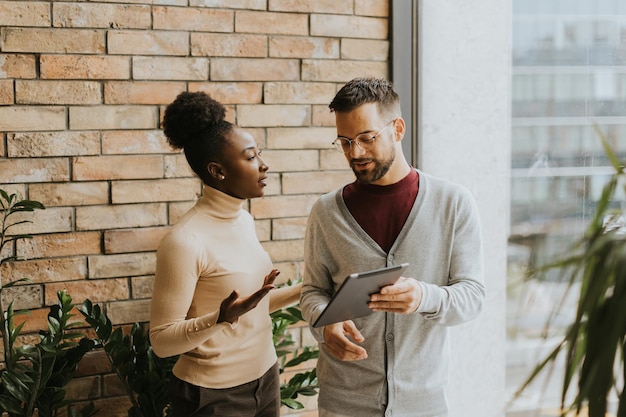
<point x="82" y="89"/>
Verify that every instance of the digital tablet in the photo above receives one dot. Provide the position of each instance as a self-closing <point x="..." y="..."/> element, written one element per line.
<point x="350" y="300"/>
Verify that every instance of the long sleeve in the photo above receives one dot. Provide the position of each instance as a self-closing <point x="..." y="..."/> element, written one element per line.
<point x="462" y="297"/>
<point x="211" y="252"/>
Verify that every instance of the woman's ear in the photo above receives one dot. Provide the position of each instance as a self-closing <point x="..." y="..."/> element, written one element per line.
<point x="215" y="170"/>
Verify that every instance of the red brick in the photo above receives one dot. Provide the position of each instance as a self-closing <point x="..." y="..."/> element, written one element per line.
<point x="38" y="144"/>
<point x="89" y="168"/>
<point x="85" y="67"/>
<point x="65" y="41"/>
<point x="121" y="265"/>
<point x="141" y="92"/>
<point x="319" y="182"/>
<point x="33" y="170"/>
<point x="193" y="19"/>
<point x="271" y="23"/>
<point x="34" y="320"/>
<point x="307" y="6"/>
<point x="60" y="244"/>
<point x="231" y="4"/>
<point x="120" y="216"/>
<point x="303" y="47"/>
<point x="93" y="363"/>
<point x="46" y="270"/>
<point x="130" y="311"/>
<point x="365" y="49"/>
<point x="331" y="159"/>
<point x="341" y="71"/>
<point x="170" y="68"/>
<point x="17" y="66"/>
<point x="273" y="115"/>
<point x="142" y="286"/>
<point x="50" y="220"/>
<point x="282" y="206"/>
<point x="97" y="290"/>
<point x="343" y="26"/>
<point x="292" y="160"/>
<point x="231" y="93"/>
<point x="133" y="240"/>
<point x="24" y="297"/>
<point x="24" y="118"/>
<point x="378" y="8"/>
<point x="127" y="142"/>
<point x="298" y="93"/>
<point x="57" y="92"/>
<point x="177" y="210"/>
<point x="70" y="193"/>
<point x="322" y="116"/>
<point x="229" y="45"/>
<point x="6" y="92"/>
<point x="254" y="69"/>
<point x="285" y="250"/>
<point x="300" y="137"/>
<point x="149" y="191"/>
<point x="290" y="228"/>
<point x="83" y="388"/>
<point x="147" y="42"/>
<point x="31" y="13"/>
<point x="176" y="166"/>
<point x="113" y="117"/>
<point x="90" y="15"/>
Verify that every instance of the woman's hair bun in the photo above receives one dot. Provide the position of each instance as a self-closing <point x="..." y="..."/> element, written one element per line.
<point x="190" y="114"/>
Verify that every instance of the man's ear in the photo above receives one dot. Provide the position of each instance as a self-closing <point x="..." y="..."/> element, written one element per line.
<point x="400" y="128"/>
<point x="215" y="170"/>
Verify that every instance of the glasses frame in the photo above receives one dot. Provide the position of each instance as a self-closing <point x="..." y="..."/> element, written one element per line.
<point x="337" y="142"/>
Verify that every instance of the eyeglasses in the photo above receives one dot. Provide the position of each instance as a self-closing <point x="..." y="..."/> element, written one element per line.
<point x="364" y="141"/>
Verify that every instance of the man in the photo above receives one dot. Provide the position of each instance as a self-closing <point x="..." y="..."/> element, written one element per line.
<point x="393" y="362"/>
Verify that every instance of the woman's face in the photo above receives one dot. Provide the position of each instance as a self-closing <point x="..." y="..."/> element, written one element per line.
<point x="245" y="173"/>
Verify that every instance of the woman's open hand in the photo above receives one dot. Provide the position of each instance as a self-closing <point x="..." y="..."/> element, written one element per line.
<point x="234" y="306"/>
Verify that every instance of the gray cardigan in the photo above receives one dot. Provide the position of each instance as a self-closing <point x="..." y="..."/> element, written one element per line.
<point x="407" y="366"/>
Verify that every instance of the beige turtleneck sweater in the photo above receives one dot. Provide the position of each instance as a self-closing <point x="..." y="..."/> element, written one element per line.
<point x="210" y="252"/>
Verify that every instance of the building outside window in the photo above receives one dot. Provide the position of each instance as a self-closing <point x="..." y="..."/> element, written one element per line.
<point x="568" y="73"/>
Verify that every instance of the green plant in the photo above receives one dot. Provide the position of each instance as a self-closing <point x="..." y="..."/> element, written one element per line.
<point x="34" y="376"/>
<point x="302" y="383"/>
<point x="145" y="376"/>
<point x="593" y="344"/>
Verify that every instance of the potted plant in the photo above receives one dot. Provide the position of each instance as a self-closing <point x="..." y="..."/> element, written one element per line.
<point x="33" y="379"/>
<point x="594" y="344"/>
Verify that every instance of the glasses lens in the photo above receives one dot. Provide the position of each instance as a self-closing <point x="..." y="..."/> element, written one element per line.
<point x="342" y="145"/>
<point x="365" y="141"/>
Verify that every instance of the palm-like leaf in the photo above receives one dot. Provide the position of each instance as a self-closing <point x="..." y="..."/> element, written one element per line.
<point x="594" y="343"/>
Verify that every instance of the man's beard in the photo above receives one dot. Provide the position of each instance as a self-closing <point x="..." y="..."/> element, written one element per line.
<point x="379" y="170"/>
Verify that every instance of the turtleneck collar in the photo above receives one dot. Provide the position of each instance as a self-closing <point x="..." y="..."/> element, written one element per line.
<point x="218" y="204"/>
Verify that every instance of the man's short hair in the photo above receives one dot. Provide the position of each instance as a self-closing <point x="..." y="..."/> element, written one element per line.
<point x="364" y="90"/>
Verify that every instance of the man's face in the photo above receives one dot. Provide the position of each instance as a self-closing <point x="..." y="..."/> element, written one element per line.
<point x="370" y="165"/>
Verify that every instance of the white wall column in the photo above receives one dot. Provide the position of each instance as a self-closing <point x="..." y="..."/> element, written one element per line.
<point x="464" y="135"/>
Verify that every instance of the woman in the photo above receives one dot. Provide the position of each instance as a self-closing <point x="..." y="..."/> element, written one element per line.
<point x="209" y="303"/>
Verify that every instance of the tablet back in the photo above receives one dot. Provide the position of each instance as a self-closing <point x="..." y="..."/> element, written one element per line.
<point x="350" y="300"/>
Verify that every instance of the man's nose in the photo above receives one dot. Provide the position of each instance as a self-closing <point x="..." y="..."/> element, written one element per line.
<point x="355" y="149"/>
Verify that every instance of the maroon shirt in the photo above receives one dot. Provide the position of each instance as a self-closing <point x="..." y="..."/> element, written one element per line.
<point x="382" y="210"/>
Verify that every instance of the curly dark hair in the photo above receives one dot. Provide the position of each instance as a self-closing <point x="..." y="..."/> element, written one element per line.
<point x="196" y="123"/>
<point x="364" y="90"/>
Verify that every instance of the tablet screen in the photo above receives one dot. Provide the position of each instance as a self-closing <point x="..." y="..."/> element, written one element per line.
<point x="350" y="300"/>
